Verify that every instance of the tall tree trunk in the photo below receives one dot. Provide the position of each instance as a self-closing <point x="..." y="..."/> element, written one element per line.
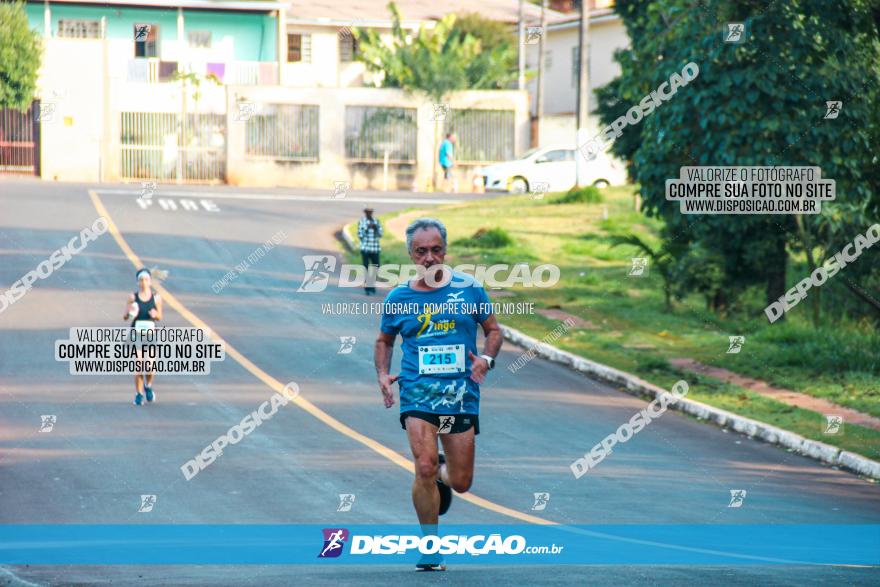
<point x="720" y="301"/>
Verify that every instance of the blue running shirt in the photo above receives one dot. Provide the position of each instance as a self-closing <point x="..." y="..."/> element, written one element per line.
<point x="439" y="329"/>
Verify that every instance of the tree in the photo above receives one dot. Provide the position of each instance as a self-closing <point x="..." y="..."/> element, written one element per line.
<point x="663" y="259"/>
<point x="433" y="62"/>
<point x="20" y="57"/>
<point x="497" y="50"/>
<point x="761" y="102"/>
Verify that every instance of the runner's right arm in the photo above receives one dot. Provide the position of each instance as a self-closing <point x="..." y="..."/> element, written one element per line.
<point x="128" y="307"/>
<point x="382" y="360"/>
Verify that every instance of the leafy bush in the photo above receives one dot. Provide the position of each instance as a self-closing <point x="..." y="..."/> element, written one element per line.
<point x="585" y="195"/>
<point x="819" y="350"/>
<point x="20" y="54"/>
<point x="487" y="238"/>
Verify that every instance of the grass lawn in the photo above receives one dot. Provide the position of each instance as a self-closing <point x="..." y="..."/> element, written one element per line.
<point x="631" y="329"/>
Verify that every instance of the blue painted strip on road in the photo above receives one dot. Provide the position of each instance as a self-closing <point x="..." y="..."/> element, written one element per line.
<point x="302" y="544"/>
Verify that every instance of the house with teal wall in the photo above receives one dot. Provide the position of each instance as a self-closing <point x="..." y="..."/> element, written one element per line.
<point x="236" y="40"/>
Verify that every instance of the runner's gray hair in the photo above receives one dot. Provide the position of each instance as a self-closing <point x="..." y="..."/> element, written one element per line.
<point x="423" y="224"/>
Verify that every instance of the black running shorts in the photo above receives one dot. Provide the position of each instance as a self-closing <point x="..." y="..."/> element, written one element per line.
<point x="458" y="422"/>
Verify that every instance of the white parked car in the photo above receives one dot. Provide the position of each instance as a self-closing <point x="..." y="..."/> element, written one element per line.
<point x="551" y="169"/>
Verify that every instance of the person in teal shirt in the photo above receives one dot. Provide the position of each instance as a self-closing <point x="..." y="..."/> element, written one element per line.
<point x="447" y="161"/>
<point x="438" y="316"/>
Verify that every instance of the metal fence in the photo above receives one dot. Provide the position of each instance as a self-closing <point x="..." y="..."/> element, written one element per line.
<point x="167" y="146"/>
<point x="371" y="131"/>
<point x="484" y="136"/>
<point x="283" y="132"/>
<point x="18" y="147"/>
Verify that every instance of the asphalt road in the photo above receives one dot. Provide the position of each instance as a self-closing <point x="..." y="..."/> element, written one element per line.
<point x="103" y="453"/>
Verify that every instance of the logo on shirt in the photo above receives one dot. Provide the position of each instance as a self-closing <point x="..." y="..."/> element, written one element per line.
<point x="434" y="328"/>
<point x="450" y="396"/>
<point x="454" y="297"/>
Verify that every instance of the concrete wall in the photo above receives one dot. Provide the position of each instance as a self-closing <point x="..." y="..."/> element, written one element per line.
<point x="325" y="69"/>
<point x="71" y="138"/>
<point x="138" y="97"/>
<point x="557" y="129"/>
<point x="81" y="142"/>
<point x="560" y="86"/>
<point x="332" y="165"/>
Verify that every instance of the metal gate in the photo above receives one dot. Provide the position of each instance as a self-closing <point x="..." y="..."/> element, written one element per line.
<point x="484" y="136"/>
<point x="168" y="146"/>
<point x="20" y="140"/>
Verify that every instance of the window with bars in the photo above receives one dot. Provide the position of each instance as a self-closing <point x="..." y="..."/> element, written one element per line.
<point x="347" y="46"/>
<point x="299" y="48"/>
<point x="79" y="29"/>
<point x="483" y="136"/>
<point x="371" y="131"/>
<point x="283" y="132"/>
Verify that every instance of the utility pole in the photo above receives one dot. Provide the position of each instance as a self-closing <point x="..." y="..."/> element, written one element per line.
<point x="539" y="94"/>
<point x="583" y="95"/>
<point x="521" y="83"/>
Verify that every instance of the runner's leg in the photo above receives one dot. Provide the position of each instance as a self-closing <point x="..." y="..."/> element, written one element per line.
<point x="372" y="268"/>
<point x="459" y="451"/>
<point x="423" y="443"/>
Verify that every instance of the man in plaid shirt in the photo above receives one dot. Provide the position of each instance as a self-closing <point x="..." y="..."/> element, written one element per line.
<point x="369" y="233"/>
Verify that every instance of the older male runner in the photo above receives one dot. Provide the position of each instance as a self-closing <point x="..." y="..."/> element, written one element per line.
<point x="440" y="371"/>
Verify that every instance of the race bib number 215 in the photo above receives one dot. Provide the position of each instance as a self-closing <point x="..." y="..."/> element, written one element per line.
<point x="441" y="359"/>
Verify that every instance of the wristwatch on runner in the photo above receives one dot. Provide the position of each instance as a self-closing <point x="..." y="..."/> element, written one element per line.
<point x="490" y="360"/>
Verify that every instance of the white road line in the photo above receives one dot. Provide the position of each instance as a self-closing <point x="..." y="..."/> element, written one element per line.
<point x="283" y="197"/>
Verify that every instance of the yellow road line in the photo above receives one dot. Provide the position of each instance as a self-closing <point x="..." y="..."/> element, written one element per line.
<point x="278" y="387"/>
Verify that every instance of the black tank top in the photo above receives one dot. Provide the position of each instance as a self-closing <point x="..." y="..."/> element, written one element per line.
<point x="144" y="307"/>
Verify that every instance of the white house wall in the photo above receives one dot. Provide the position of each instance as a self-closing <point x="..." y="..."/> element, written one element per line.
<point x="560" y="91"/>
<point x="71" y="131"/>
<point x="332" y="165"/>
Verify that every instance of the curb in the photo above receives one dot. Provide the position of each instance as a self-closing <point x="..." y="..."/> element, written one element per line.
<point x="345" y="238"/>
<point x="820" y="451"/>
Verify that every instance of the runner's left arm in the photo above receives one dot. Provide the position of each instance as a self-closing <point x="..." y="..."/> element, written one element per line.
<point x="491" y="347"/>
<point x="156" y="314"/>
